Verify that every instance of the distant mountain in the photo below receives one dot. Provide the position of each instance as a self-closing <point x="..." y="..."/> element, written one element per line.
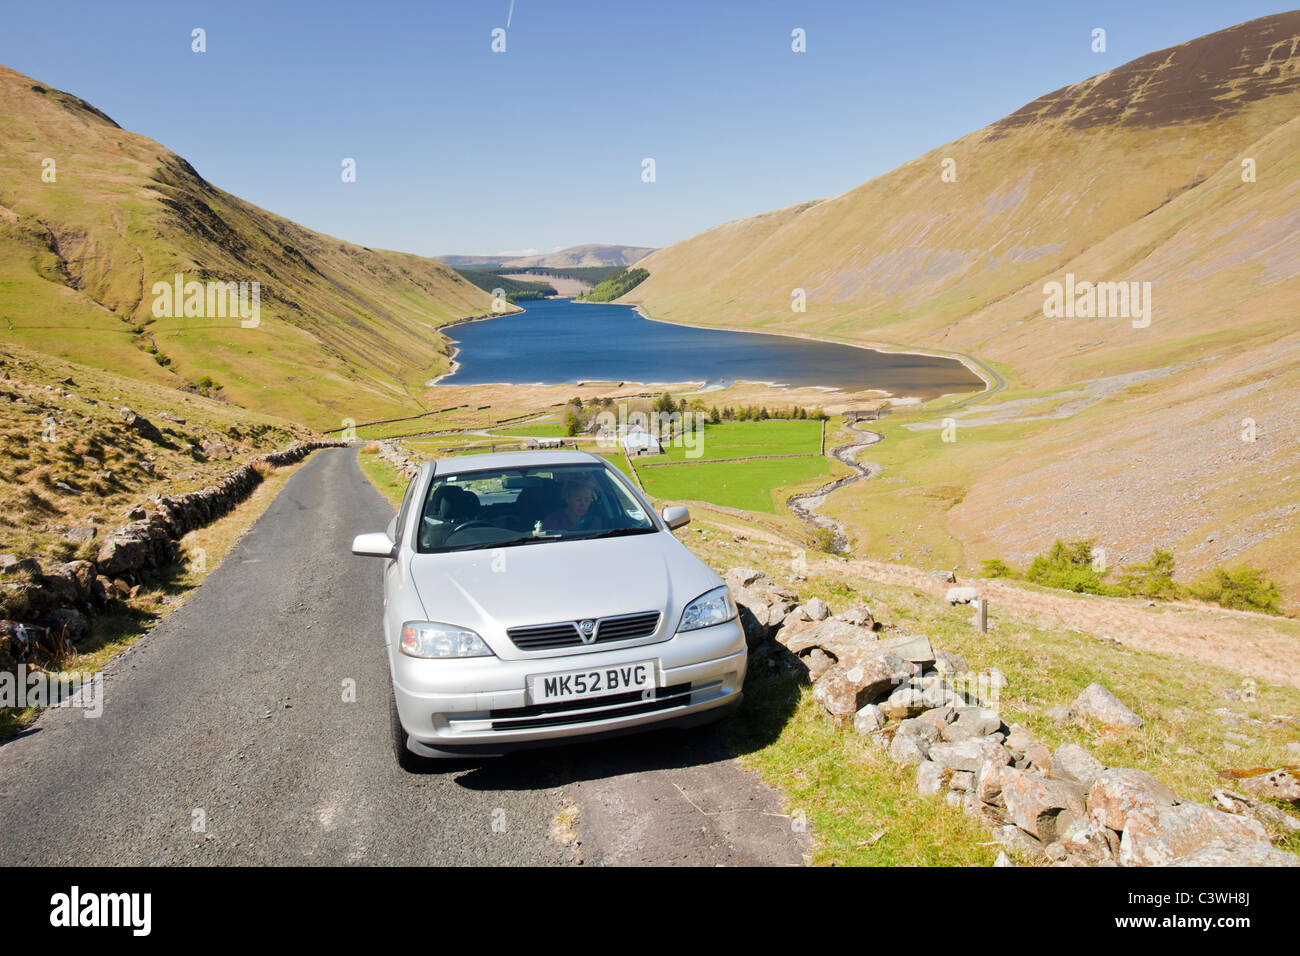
<point x="1180" y="169"/>
<point x="588" y="256"/>
<point x="92" y="216"/>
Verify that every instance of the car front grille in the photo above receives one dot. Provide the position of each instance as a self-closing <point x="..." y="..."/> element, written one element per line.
<point x="584" y="711"/>
<point x="624" y="627"/>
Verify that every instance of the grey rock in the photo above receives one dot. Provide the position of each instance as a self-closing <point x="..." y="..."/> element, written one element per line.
<point x="908" y="750"/>
<point x="1060" y="715"/>
<point x="1276" y="785"/>
<point x="1041" y="807"/>
<point x="903" y="702"/>
<point x="1232" y="802"/>
<point x="940" y="716"/>
<point x="1156" y="836"/>
<point x="968" y="754"/>
<point x="817" y="610"/>
<point x="1071" y="762"/>
<point x="947" y="662"/>
<point x="929" y="779"/>
<point x="1019" y="842"/>
<point x="913" y="727"/>
<point x="1098" y="703"/>
<point x="1117" y="793"/>
<point x="1237" y="853"/>
<point x="868" y="720"/>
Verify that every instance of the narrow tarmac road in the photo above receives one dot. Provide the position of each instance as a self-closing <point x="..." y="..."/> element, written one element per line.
<point x="227" y="737"/>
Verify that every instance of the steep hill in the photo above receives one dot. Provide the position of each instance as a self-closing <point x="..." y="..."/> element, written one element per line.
<point x="1180" y="169"/>
<point x="91" y="216"/>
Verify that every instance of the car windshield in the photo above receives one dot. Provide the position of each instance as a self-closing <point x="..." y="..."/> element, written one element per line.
<point x="505" y="507"/>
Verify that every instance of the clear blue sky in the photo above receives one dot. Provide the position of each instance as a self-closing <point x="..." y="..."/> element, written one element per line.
<point x="462" y="150"/>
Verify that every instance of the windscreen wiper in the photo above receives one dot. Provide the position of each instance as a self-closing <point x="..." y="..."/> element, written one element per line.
<point x="614" y="533"/>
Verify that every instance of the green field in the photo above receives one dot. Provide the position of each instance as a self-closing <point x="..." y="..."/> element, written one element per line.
<point x="619" y="461"/>
<point x="736" y="484"/>
<point x="543" y="430"/>
<point x="742" y="439"/>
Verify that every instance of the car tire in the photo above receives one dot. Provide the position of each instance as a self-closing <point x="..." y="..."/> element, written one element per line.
<point x="408" y="761"/>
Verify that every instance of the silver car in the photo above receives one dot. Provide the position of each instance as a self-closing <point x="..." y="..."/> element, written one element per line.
<point x="536" y="597"/>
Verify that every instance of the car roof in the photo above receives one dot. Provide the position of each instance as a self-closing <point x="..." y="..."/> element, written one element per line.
<point x="512" y="459"/>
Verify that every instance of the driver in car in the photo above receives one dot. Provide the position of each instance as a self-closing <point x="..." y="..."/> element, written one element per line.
<point x="575" y="515"/>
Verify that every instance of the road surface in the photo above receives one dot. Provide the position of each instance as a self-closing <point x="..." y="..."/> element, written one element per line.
<point x="226" y="738"/>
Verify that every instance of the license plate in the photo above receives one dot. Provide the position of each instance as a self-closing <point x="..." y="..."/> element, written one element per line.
<point x="594" y="682"/>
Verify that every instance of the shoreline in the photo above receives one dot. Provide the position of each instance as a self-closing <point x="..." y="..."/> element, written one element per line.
<point x="455" y="366"/>
<point x="973" y="365"/>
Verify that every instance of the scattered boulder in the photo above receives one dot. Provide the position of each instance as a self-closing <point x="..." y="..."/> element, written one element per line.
<point x="143" y="427"/>
<point x="1276" y="785"/>
<point x="12" y="565"/>
<point x="1100" y="704"/>
<point x="945" y="576"/>
<point x="83" y="534"/>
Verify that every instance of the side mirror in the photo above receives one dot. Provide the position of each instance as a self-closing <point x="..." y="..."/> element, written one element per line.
<point x="374" y="545"/>
<point x="676" y="517"/>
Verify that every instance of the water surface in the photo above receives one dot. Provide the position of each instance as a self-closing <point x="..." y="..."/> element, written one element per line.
<point x="558" y="341"/>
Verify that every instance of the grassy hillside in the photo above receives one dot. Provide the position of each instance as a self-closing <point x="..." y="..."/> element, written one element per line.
<point x="345" y="331"/>
<point x="1180" y="169"/>
<point x="1124" y="177"/>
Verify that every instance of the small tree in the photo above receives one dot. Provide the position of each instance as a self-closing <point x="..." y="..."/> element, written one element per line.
<point x="1242" y="589"/>
<point x="1069" y="567"/>
<point x="1154" y="579"/>
<point x="997" y="568"/>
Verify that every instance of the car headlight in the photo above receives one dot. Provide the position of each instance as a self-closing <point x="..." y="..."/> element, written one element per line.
<point x="712" y="607"/>
<point x="431" y="639"/>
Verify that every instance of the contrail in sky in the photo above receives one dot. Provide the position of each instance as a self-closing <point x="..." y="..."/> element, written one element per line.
<point x="511" y="13"/>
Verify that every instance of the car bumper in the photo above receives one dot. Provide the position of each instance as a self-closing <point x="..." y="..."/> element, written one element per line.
<point x="481" y="705"/>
